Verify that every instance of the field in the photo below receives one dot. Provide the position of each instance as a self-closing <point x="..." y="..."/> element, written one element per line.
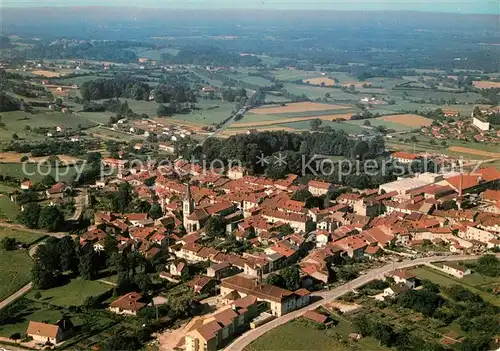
<point x="8" y="210"/>
<point x="20" y="236"/>
<point x="475" y="152"/>
<point x="314" y="92"/>
<point x="323" y="81"/>
<point x="472" y="282"/>
<point x="484" y="84"/>
<point x="15" y="267"/>
<point x="16" y="121"/>
<point x="36" y="172"/>
<point x="375" y="122"/>
<point x="296" y="336"/>
<point x="289" y="120"/>
<point x="6" y="189"/>
<point x="45" y="73"/>
<point x="13" y="157"/>
<point x="408" y="120"/>
<point x="297" y="107"/>
<point x="72" y="294"/>
<point x="210" y="112"/>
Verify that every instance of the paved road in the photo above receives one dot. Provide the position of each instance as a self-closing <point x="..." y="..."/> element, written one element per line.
<point x="244" y="340"/>
<point x="16" y="295"/>
<point x="80" y="203"/>
<point x="31" y="252"/>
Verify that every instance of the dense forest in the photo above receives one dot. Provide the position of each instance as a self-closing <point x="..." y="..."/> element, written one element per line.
<point x="116" y="51"/>
<point x="120" y="86"/>
<point x="296" y="149"/>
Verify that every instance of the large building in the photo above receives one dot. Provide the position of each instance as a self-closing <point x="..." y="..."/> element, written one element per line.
<point x="482" y="125"/>
<point x="220" y="327"/>
<point x="281" y="301"/>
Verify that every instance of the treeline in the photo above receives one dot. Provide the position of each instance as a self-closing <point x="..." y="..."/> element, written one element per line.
<point x="165" y="93"/>
<point x="249" y="148"/>
<point x="115" y="51"/>
<point x="209" y="55"/>
<point x="121" y="86"/>
<point x="53" y="147"/>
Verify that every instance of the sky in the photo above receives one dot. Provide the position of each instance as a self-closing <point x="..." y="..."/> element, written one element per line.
<point x="453" y="6"/>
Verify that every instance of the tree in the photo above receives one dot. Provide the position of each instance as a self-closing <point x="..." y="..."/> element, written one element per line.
<point x="384" y="333"/>
<point x="48" y="180"/>
<point x="315" y="124"/>
<point x="291" y="277"/>
<point x="122" y="198"/>
<point x="215" y="226"/>
<point x="155" y="212"/>
<point x="67" y="254"/>
<point x="51" y="218"/>
<point x="8" y="244"/>
<point x="42" y="278"/>
<point x="347" y="273"/>
<point x="488" y="265"/>
<point x="143" y="281"/>
<point x="29" y="216"/>
<point x="276" y="280"/>
<point x="367" y="123"/>
<point x="88" y="265"/>
<point x="301" y="195"/>
<point x="122" y="342"/>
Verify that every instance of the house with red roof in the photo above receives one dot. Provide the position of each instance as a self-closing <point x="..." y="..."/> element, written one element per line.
<point x="319" y="188"/>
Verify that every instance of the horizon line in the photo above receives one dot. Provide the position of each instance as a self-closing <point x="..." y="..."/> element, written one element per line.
<point x="244" y="9"/>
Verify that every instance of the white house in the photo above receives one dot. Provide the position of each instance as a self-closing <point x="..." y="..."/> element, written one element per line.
<point x="456" y="269"/>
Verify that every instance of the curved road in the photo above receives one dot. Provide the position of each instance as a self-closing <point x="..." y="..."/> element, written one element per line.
<point x="244" y="340"/>
<point x="31" y="252"/>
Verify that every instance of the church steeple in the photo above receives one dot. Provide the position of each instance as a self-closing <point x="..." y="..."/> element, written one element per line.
<point x="187" y="205"/>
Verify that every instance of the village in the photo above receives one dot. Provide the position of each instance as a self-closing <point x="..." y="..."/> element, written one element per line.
<point x="245" y="231"/>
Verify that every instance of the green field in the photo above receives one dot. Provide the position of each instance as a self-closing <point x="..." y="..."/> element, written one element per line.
<point x="472" y="282"/>
<point x="15" y="267"/>
<point x="6" y="189"/>
<point x="72" y="294"/>
<point x="378" y="122"/>
<point x="275" y="98"/>
<point x="20" y="236"/>
<point x="314" y="92"/>
<point x="16" y="121"/>
<point x="210" y="112"/>
<point x="346" y="127"/>
<point x="107" y="133"/>
<point x="296" y="336"/>
<point x="78" y="80"/>
<point x="293" y="75"/>
<point x="8" y="209"/>
<point x="36" y="172"/>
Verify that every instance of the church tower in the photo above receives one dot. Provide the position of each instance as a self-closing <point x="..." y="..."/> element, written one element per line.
<point x="187" y="206"/>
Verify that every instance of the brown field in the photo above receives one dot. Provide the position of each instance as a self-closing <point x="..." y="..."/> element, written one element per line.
<point x="45" y="73"/>
<point x="408" y="120"/>
<point x="15" y="157"/>
<point x="328" y="82"/>
<point x="466" y="150"/>
<point x="297" y="107"/>
<point x="485" y="84"/>
<point x="346" y="116"/>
